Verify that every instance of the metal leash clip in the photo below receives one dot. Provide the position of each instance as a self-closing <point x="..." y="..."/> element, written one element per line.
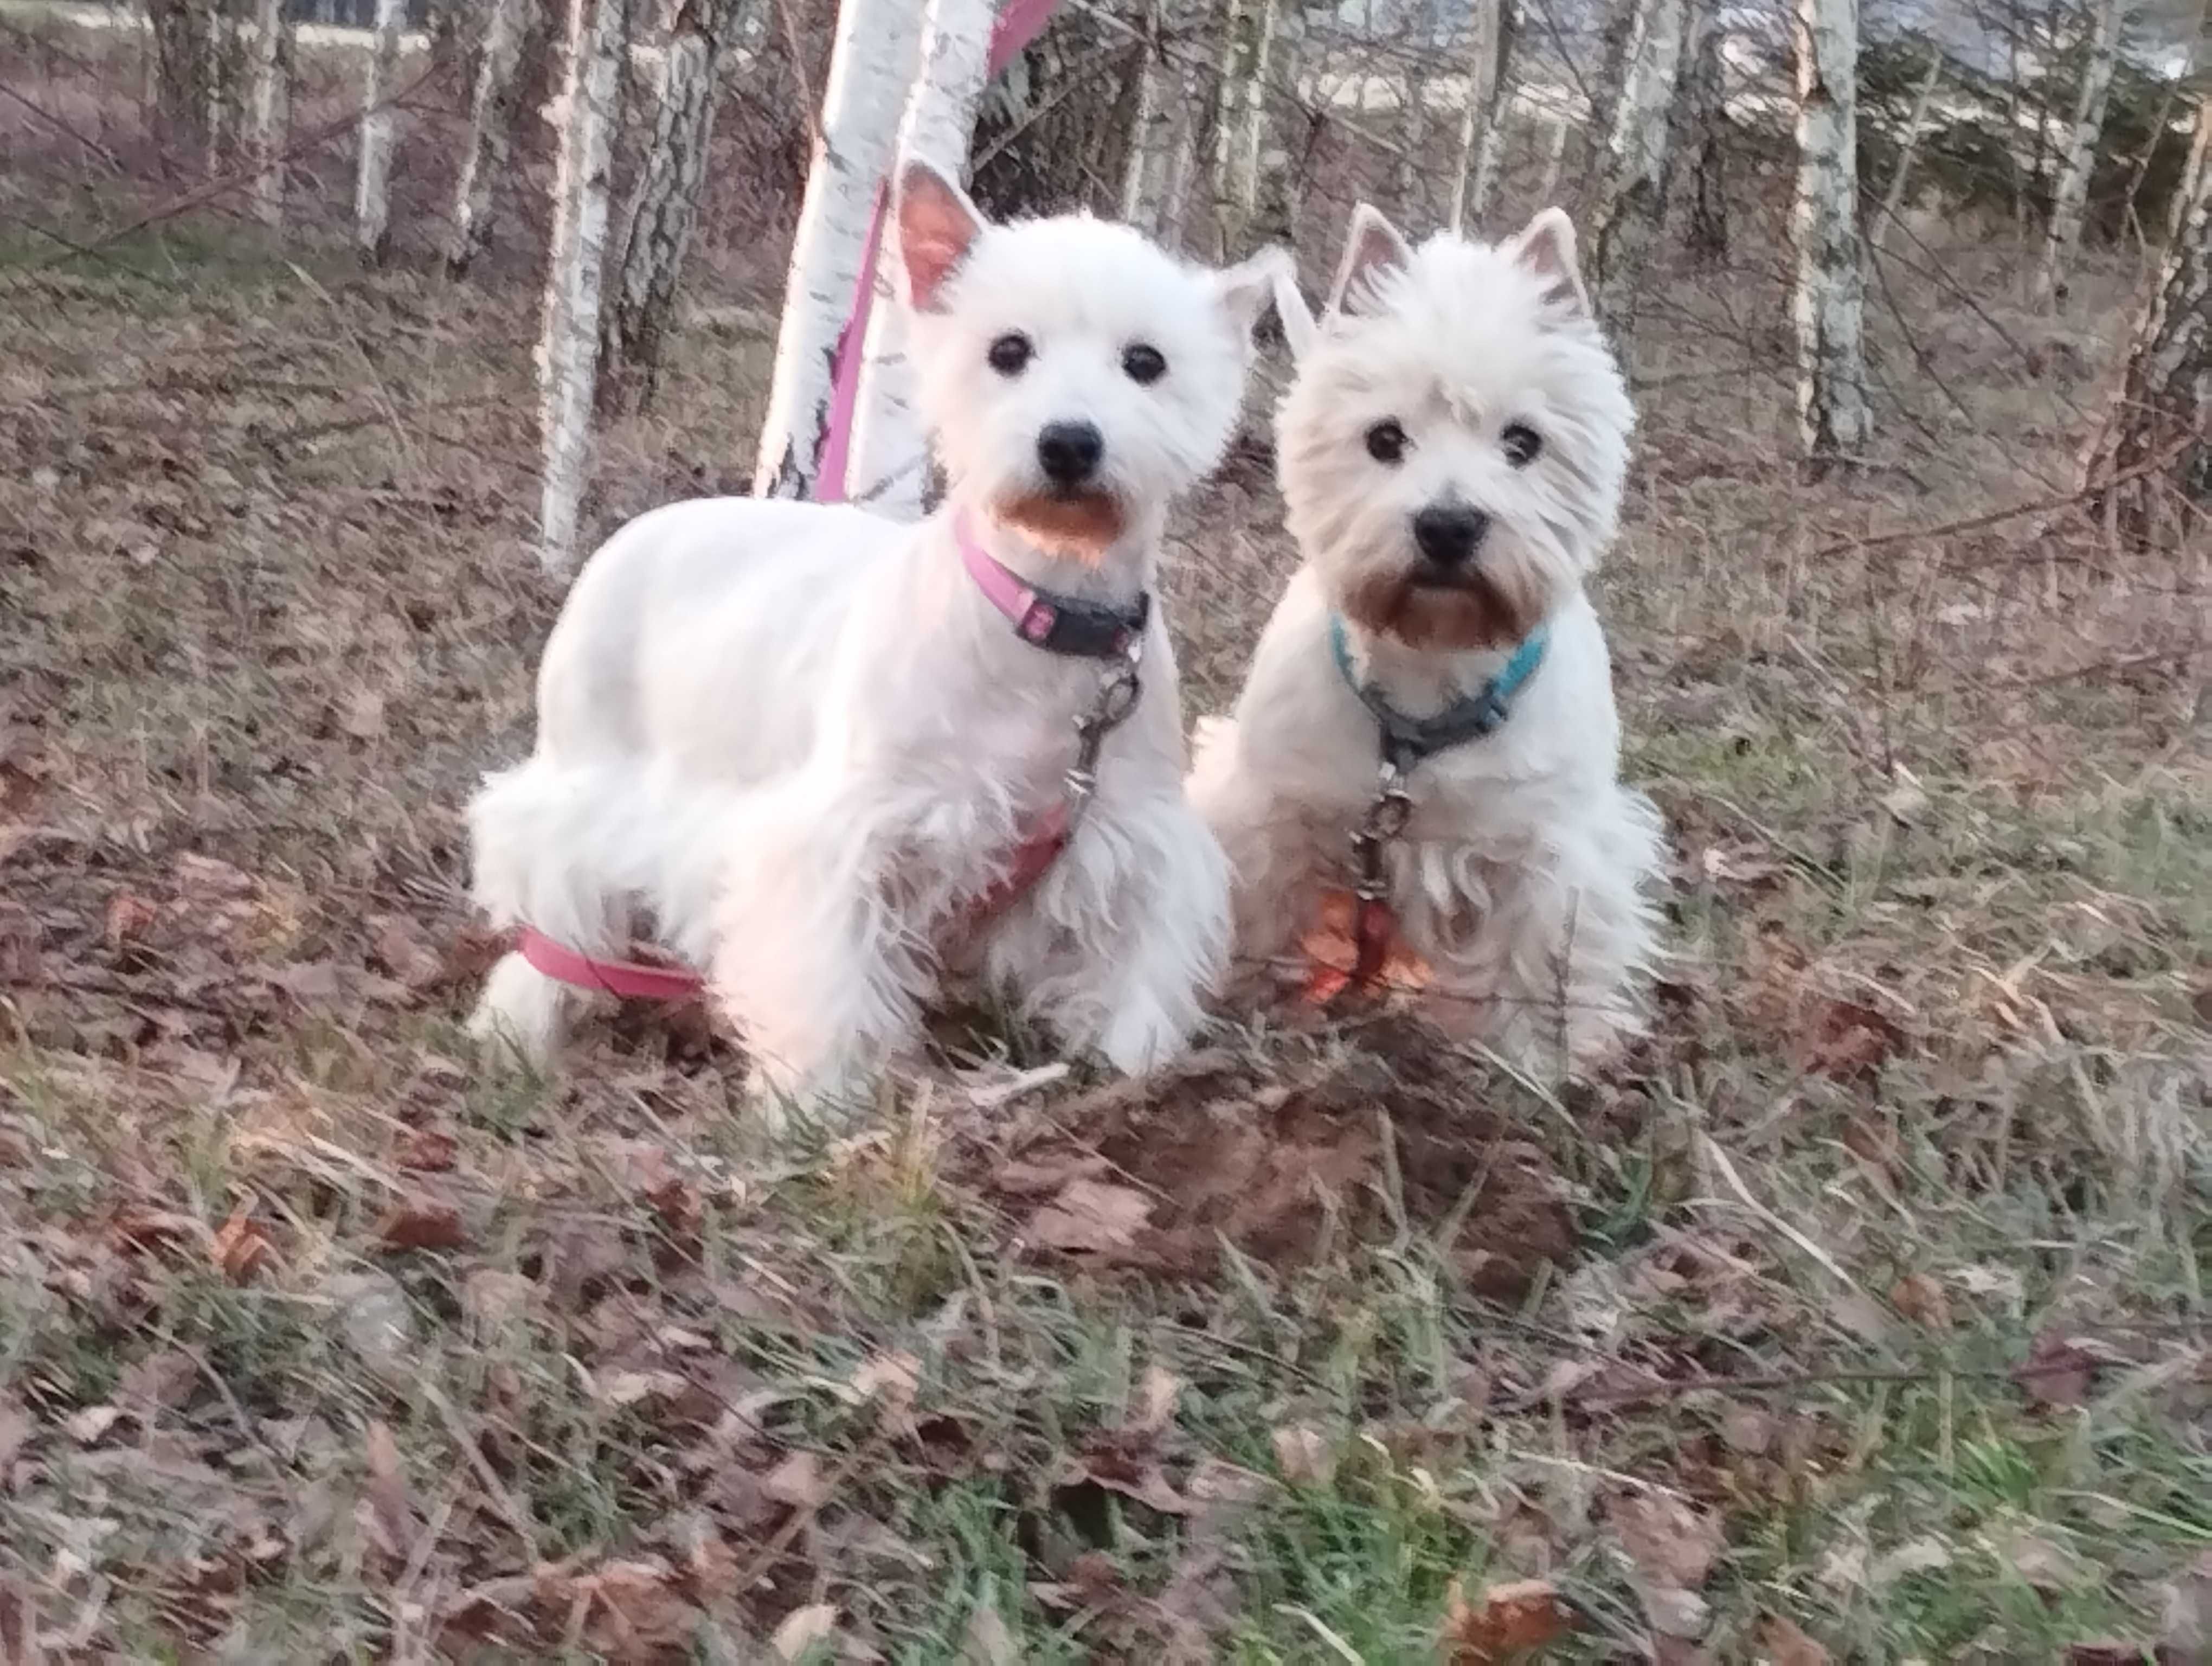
<point x="1385" y="820"/>
<point x="1117" y="697"/>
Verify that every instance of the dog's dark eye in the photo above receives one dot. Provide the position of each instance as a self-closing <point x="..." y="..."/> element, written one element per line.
<point x="1522" y="444"/>
<point x="1011" y="353"/>
<point x="1386" y="441"/>
<point x="1144" y="364"/>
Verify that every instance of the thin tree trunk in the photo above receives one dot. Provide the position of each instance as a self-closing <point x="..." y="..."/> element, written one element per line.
<point x="871" y="67"/>
<point x="1892" y="199"/>
<point x="1632" y="206"/>
<point x="268" y="110"/>
<point x="1154" y="134"/>
<point x="2159" y="428"/>
<point x="664" y="203"/>
<point x="1247" y="125"/>
<point x="1615" y="55"/>
<point x="1833" y="419"/>
<point x="185" y="67"/>
<point x="2064" y="230"/>
<point x="491" y="134"/>
<point x="1483" y="111"/>
<point x="1413" y="170"/>
<point x="567" y="353"/>
<point x="1707" y="237"/>
<point x="1555" y="157"/>
<point x="1278" y="194"/>
<point x="890" y="463"/>
<point x="379" y="132"/>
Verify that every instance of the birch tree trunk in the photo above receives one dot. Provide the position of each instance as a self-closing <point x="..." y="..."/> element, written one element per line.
<point x="269" y="113"/>
<point x="664" y="203"/>
<point x="1631" y="204"/>
<point x="1833" y="419"/>
<point x="872" y="65"/>
<point x="379" y="131"/>
<point x="1413" y="170"/>
<point x="1247" y="127"/>
<point x="1277" y="194"/>
<point x="1482" y="119"/>
<point x="1555" y="157"/>
<point x="491" y="134"/>
<point x="1892" y="199"/>
<point x="889" y="465"/>
<point x="1151" y="128"/>
<point x="568" y="352"/>
<point x="1707" y="237"/>
<point x="2064" y="230"/>
<point x="2159" y="429"/>
<point x="1616" y="43"/>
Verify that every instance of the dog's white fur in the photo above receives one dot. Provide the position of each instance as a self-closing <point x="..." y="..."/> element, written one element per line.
<point x="1523" y="879"/>
<point x="795" y="743"/>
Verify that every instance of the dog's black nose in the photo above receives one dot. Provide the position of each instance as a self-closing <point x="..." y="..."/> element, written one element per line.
<point x="1449" y="533"/>
<point x="1068" y="452"/>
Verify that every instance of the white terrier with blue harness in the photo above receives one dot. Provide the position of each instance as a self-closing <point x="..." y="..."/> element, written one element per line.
<point x="1429" y="723"/>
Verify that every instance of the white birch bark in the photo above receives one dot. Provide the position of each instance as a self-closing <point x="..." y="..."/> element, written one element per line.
<point x="266" y="112"/>
<point x="871" y="65"/>
<point x="664" y="201"/>
<point x="1150" y="170"/>
<point x="1555" y="157"/>
<point x="1631" y="202"/>
<point x="1247" y="124"/>
<point x="1892" y="199"/>
<point x="2153" y="457"/>
<point x="889" y="467"/>
<point x="491" y="134"/>
<point x="379" y="132"/>
<point x="1482" y="117"/>
<point x="1412" y="79"/>
<point x="2064" y="230"/>
<point x="568" y="351"/>
<point x="1833" y="419"/>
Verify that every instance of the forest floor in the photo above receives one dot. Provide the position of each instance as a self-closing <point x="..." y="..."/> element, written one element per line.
<point x="1859" y="1316"/>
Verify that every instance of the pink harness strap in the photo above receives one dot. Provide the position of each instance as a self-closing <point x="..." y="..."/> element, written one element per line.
<point x="632" y="979"/>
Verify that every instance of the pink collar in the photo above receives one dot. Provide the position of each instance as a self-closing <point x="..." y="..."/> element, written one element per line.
<point x="1054" y="623"/>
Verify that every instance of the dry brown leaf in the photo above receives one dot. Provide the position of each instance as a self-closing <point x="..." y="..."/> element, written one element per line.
<point x="893" y="1381"/>
<point x="128" y="916"/>
<point x="1845" y="1038"/>
<point x="162" y="1379"/>
<point x="1133" y="1474"/>
<point x="403" y="950"/>
<point x="89" y="1426"/>
<point x="1303" y="1457"/>
<point x="1921" y="1297"/>
<point x="1750" y="1430"/>
<point x="989" y="1643"/>
<point x="1672" y="1545"/>
<point x="2060" y="1371"/>
<point x="15" y="1431"/>
<point x="1153" y="1406"/>
<point x="1089" y="1216"/>
<point x="797" y="1481"/>
<point x="1782" y="1642"/>
<point x="390" y="1514"/>
<point x="240" y="1250"/>
<point x="1506" y="1621"/>
<point x="422" y="1223"/>
<point x="362" y="715"/>
<point x="426" y="1150"/>
<point x="2185" y="1626"/>
<point x="803" y="1628"/>
<point x="635" y="1609"/>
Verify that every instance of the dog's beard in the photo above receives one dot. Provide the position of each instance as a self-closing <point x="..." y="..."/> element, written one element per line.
<point x="1493" y="604"/>
<point x="1079" y="525"/>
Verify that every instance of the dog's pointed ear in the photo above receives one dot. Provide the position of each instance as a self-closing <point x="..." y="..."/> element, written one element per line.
<point x="1299" y="330"/>
<point x="936" y="226"/>
<point x="1246" y="289"/>
<point x="1372" y="250"/>
<point x="1546" y="247"/>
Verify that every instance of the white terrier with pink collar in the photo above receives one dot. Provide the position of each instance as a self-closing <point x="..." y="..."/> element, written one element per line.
<point x="1428" y="732"/>
<point x="826" y="758"/>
